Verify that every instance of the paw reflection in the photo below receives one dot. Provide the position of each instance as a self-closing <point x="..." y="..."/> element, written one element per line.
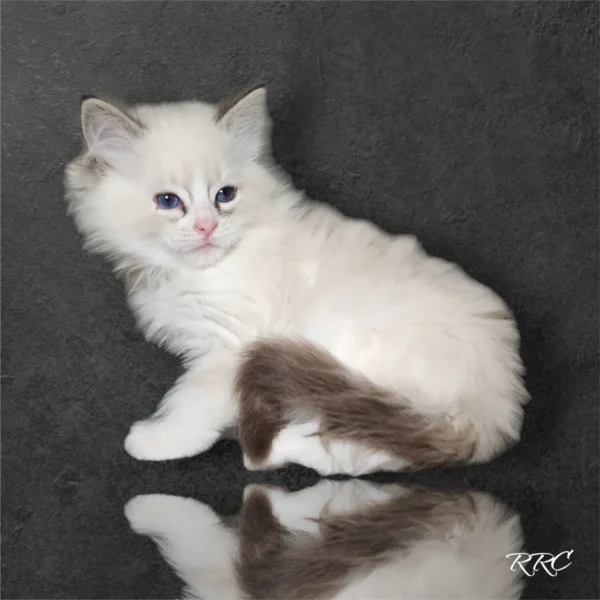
<point x="351" y="539"/>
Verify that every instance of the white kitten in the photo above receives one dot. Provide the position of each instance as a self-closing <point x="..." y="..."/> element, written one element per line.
<point x="329" y="342"/>
<point x="350" y="539"/>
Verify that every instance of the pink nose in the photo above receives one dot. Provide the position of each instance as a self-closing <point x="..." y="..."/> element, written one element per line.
<point x="205" y="227"/>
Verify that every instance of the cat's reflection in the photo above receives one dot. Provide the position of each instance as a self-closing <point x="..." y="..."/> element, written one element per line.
<point x="350" y="539"/>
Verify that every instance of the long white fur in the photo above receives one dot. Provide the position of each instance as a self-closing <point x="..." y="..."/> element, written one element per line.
<point x="282" y="265"/>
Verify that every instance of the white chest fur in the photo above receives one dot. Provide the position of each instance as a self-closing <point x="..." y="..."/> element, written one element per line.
<point x="227" y="305"/>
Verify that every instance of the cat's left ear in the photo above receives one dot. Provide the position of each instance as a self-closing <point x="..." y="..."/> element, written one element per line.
<point x="246" y="117"/>
<point x="109" y="131"/>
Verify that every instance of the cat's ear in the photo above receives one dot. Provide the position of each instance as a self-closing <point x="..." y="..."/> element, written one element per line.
<point x="246" y="117"/>
<point x="109" y="131"/>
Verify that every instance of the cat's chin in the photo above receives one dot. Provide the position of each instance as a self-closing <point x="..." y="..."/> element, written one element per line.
<point x="204" y="256"/>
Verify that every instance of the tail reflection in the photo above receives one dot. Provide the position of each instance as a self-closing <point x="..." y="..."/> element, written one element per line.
<point x="350" y="539"/>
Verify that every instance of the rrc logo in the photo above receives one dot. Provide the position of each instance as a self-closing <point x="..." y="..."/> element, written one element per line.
<point x="530" y="564"/>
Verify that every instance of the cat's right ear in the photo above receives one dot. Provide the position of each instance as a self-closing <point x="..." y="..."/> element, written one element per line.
<point x="109" y="131"/>
<point x="246" y="118"/>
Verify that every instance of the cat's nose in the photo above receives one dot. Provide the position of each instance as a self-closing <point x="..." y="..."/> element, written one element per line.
<point x="205" y="227"/>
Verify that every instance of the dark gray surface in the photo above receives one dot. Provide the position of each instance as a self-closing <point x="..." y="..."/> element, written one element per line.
<point x="471" y="125"/>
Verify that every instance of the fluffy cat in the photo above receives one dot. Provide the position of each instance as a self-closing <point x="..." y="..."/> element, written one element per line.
<point x="350" y="539"/>
<point x="327" y="341"/>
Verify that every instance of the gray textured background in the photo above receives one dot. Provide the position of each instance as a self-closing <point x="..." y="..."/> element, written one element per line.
<point x="471" y="125"/>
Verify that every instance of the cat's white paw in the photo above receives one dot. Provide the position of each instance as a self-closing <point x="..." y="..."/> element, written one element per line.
<point x="157" y="440"/>
<point x="263" y="466"/>
<point x="248" y="464"/>
<point x="148" y="441"/>
<point x="146" y="511"/>
<point x="167" y="515"/>
<point x="188" y="534"/>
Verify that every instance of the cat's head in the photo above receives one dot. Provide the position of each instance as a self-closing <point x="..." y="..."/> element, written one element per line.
<point x="173" y="184"/>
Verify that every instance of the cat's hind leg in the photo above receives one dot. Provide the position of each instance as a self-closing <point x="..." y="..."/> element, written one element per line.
<point x="301" y="443"/>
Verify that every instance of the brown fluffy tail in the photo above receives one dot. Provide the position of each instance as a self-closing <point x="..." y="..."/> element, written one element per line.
<point x="281" y="381"/>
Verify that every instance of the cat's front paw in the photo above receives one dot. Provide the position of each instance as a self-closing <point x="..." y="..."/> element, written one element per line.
<point x="166" y="516"/>
<point x="145" y="442"/>
<point x="157" y="440"/>
<point x="143" y="512"/>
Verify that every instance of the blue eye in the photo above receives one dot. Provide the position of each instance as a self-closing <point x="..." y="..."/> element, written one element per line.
<point x="226" y="194"/>
<point x="167" y="200"/>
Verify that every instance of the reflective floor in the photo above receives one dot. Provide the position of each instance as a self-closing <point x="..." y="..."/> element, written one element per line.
<point x="340" y="539"/>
